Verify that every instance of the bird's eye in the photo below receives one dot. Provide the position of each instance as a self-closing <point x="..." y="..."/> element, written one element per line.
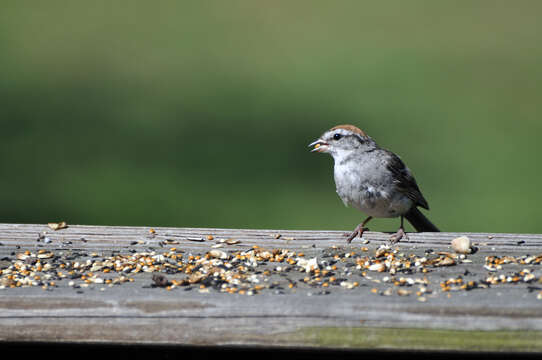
<point x="337" y="136"/>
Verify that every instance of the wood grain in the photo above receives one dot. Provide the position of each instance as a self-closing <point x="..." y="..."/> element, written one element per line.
<point x="505" y="317"/>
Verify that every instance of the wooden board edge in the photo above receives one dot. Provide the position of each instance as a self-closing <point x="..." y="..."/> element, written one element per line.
<point x="366" y="338"/>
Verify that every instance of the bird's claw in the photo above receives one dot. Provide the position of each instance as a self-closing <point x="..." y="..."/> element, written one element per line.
<point x="395" y="238"/>
<point x="359" y="230"/>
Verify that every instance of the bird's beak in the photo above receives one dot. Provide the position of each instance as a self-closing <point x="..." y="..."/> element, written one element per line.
<point x="319" y="146"/>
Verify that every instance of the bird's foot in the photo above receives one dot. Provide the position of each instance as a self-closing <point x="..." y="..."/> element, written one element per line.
<point x="395" y="238"/>
<point x="359" y="230"/>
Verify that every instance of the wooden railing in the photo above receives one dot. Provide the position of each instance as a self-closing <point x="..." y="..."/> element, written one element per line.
<point x="271" y="288"/>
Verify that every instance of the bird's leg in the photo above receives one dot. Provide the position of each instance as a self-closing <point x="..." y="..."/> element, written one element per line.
<point x="399" y="234"/>
<point x="359" y="230"/>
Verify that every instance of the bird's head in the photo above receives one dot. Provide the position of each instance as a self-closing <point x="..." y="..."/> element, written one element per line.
<point x="342" y="139"/>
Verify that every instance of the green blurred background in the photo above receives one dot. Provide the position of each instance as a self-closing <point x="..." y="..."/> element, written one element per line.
<point x="198" y="113"/>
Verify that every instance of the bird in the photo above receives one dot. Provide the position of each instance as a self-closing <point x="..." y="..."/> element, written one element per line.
<point x="373" y="180"/>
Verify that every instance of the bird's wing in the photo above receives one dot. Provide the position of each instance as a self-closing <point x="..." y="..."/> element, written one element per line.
<point x="404" y="181"/>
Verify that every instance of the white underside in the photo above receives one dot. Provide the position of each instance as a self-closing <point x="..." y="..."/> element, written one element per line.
<point x="384" y="207"/>
<point x="362" y="188"/>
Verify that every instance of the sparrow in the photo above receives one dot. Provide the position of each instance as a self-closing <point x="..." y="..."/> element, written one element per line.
<point x="373" y="180"/>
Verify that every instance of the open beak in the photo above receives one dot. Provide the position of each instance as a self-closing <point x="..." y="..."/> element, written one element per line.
<point x="319" y="146"/>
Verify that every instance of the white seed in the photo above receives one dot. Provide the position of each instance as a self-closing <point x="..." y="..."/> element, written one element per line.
<point x="381" y="250"/>
<point x="230" y="241"/>
<point x="308" y="265"/>
<point x="388" y="292"/>
<point x="96" y="268"/>
<point x="403" y="292"/>
<point x="218" y="254"/>
<point x="380" y="267"/>
<point x="347" y="284"/>
<point x="462" y="245"/>
<point x="22" y="256"/>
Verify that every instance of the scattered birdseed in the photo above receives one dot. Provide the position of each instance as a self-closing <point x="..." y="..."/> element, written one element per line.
<point x="255" y="270"/>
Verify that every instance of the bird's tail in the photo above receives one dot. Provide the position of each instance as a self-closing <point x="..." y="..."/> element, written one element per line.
<point x="419" y="221"/>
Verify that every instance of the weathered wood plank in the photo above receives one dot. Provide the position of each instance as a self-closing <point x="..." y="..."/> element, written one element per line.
<point x="305" y="313"/>
<point x="102" y="235"/>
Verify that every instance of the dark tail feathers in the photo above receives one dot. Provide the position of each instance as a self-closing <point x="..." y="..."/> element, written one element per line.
<point x="419" y="221"/>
